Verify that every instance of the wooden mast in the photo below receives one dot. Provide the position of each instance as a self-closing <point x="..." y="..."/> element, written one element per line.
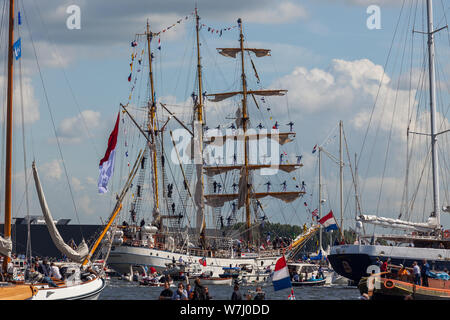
<point x="244" y="126"/>
<point x="199" y="108"/>
<point x="152" y="127"/>
<point x="9" y="129"/>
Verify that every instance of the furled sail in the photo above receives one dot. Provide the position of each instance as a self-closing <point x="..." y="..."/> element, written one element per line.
<point x="218" y="200"/>
<point x="198" y="198"/>
<point x="5" y="246"/>
<point x="282" y="138"/>
<point x="243" y="188"/>
<point x="217" y="97"/>
<point x="75" y="255"/>
<point x="232" y="52"/>
<point x="430" y="225"/>
<point x="215" y="170"/>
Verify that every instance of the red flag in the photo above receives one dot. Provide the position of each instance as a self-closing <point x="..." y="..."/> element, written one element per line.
<point x="202" y="261"/>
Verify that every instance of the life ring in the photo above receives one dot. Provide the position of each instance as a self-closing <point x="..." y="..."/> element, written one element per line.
<point x="388" y="284"/>
<point x="447" y="234"/>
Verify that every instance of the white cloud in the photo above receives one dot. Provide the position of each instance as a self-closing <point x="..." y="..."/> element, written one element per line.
<point x="76" y="184"/>
<point x="85" y="205"/>
<point x="91" y="181"/>
<point x="345" y="84"/>
<point x="30" y="103"/>
<point x="74" y="130"/>
<point x="368" y="2"/>
<point x="52" y="169"/>
<point x="283" y="12"/>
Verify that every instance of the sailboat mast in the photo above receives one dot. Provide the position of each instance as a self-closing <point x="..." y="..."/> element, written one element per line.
<point x="320" y="195"/>
<point x="432" y="79"/>
<point x="199" y="114"/>
<point x="244" y="126"/>
<point x="341" y="176"/>
<point x="152" y="115"/>
<point x="9" y="123"/>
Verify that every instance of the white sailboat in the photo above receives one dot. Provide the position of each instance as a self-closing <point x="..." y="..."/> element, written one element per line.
<point x="82" y="281"/>
<point x="419" y="240"/>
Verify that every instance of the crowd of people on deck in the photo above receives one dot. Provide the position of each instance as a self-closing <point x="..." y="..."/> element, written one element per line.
<point x="417" y="274"/>
<point x="45" y="271"/>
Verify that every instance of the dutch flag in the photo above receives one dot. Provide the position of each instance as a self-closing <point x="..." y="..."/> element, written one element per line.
<point x="329" y="222"/>
<point x="107" y="163"/>
<point x="281" y="279"/>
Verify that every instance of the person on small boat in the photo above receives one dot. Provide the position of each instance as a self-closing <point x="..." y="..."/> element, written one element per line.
<point x="320" y="274"/>
<point x="199" y="291"/>
<point x="236" y="295"/>
<point x="424" y="273"/>
<point x="166" y="294"/>
<point x="180" y="293"/>
<point x="416" y="271"/>
<point x="403" y="273"/>
<point x="259" y="294"/>
<point x="55" y="271"/>
<point x="207" y="295"/>
<point x="189" y="291"/>
<point x="45" y="269"/>
<point x="296" y="277"/>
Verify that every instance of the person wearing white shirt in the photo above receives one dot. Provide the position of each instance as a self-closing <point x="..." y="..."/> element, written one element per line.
<point x="55" y="271"/>
<point x="416" y="271"/>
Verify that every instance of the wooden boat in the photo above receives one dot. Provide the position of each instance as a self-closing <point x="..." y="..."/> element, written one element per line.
<point x="11" y="291"/>
<point x="390" y="288"/>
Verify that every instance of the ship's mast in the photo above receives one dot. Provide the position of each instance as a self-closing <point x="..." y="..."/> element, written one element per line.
<point x="320" y="196"/>
<point x="152" y="126"/>
<point x="201" y="224"/>
<point x="9" y="129"/>
<point x="244" y="127"/>
<point x="432" y="79"/>
<point x="341" y="176"/>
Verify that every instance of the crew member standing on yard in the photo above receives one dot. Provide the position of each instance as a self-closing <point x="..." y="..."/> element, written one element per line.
<point x="424" y="273"/>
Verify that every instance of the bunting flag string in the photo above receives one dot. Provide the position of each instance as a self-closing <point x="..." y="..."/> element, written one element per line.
<point x="215" y="30"/>
<point x="173" y="25"/>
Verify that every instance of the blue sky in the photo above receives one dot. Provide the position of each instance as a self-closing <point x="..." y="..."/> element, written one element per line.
<point x="322" y="51"/>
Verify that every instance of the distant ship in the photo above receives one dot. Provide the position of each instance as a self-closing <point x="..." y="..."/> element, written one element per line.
<point x="41" y="242"/>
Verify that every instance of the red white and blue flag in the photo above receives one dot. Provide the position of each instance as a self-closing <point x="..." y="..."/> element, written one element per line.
<point x="329" y="222"/>
<point x="314" y="149"/>
<point x="107" y="163"/>
<point x="281" y="279"/>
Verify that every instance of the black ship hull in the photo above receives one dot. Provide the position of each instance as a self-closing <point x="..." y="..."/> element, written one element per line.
<point x="41" y="242"/>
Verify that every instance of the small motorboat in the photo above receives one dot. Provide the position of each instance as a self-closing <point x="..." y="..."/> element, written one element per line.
<point x="306" y="274"/>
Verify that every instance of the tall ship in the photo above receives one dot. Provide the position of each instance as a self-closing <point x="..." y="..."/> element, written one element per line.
<point x="409" y="241"/>
<point x="178" y="209"/>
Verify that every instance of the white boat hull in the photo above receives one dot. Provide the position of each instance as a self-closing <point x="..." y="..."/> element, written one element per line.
<point x="124" y="257"/>
<point x="89" y="290"/>
<point x="214" y="281"/>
